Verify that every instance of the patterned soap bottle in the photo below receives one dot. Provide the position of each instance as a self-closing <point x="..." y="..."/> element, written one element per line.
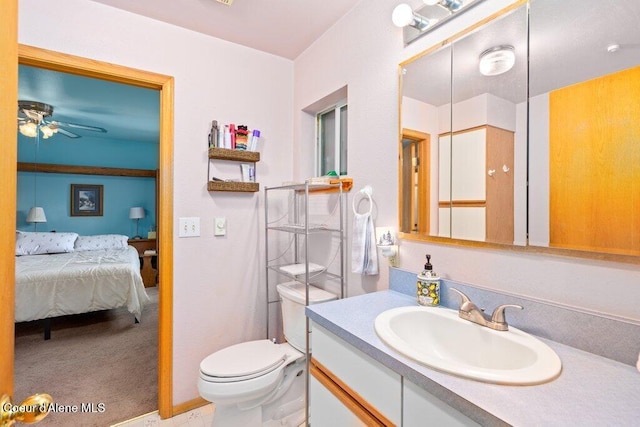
<point x="428" y="285"/>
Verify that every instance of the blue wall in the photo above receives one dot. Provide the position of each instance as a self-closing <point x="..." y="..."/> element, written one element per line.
<point x="54" y="190"/>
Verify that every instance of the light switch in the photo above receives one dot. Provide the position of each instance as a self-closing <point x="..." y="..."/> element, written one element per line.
<point x="220" y="228"/>
<point x="189" y="227"/>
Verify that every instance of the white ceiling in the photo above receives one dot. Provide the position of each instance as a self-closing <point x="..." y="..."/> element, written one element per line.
<point x="281" y="27"/>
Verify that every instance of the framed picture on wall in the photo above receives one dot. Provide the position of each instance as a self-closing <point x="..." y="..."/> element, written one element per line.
<point x="86" y="200"/>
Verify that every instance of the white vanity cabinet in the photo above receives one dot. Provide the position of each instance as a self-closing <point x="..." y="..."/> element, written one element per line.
<point x="420" y="408"/>
<point x="348" y="387"/>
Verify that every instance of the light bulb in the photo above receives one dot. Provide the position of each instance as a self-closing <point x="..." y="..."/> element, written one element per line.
<point x="402" y="15"/>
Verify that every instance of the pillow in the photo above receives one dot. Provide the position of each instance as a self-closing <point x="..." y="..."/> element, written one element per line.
<point x="102" y="241"/>
<point x="28" y="243"/>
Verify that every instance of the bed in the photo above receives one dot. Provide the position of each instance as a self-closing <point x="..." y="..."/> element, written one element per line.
<point x="62" y="273"/>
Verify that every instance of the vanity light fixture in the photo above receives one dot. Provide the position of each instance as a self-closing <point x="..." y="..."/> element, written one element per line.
<point x="497" y="60"/>
<point x="451" y="5"/>
<point x="403" y="16"/>
<point x="424" y="19"/>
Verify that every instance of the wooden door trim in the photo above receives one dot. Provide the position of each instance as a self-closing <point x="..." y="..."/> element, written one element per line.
<point x="8" y="174"/>
<point x="424" y="146"/>
<point x="56" y="61"/>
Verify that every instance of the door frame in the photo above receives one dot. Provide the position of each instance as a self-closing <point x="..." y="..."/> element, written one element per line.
<point x="14" y="54"/>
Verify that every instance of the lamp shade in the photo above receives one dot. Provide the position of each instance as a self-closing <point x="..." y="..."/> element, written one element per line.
<point x="136" y="213"/>
<point x="36" y="214"/>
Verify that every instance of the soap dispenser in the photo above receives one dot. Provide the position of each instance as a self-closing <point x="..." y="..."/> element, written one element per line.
<point x="428" y="285"/>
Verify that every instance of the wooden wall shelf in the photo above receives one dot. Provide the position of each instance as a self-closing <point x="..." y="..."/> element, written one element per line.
<point x="243" y="187"/>
<point x="236" y="156"/>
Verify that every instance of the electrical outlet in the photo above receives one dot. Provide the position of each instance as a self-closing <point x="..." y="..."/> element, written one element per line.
<point x="189" y="227"/>
<point x="220" y="226"/>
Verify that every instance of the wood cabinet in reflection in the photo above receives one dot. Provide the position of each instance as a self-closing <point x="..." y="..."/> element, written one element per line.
<point x="476" y="185"/>
<point x="594" y="170"/>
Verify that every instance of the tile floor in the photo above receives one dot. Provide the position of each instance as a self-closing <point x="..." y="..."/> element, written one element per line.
<point x="200" y="417"/>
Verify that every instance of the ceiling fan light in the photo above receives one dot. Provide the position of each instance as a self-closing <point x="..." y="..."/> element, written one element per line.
<point x="497" y="60"/>
<point x="46" y="131"/>
<point x="29" y="129"/>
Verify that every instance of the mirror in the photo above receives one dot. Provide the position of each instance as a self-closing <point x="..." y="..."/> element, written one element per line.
<point x="578" y="150"/>
<point x="463" y="148"/>
<point x="584" y="151"/>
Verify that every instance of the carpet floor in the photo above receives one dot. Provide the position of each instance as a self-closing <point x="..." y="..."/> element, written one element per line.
<point x="102" y="363"/>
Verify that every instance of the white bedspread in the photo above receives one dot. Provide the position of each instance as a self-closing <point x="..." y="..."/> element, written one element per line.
<point x="78" y="282"/>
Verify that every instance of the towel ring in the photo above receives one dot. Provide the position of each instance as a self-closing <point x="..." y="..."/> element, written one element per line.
<point x="367" y="190"/>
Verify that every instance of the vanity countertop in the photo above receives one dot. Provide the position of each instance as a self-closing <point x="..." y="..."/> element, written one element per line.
<point x="591" y="390"/>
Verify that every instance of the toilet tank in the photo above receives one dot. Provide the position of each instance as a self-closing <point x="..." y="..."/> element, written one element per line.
<point x="293" y="303"/>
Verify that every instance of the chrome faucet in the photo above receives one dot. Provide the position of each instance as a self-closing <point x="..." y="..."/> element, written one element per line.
<point x="471" y="312"/>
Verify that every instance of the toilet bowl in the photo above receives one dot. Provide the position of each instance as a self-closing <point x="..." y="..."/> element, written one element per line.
<point x="261" y="383"/>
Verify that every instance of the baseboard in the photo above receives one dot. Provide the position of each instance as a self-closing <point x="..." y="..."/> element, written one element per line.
<point x="189" y="405"/>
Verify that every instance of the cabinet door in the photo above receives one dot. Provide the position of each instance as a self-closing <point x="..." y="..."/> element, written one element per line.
<point x="444" y="168"/>
<point x="468" y="162"/>
<point x="332" y="407"/>
<point x="377" y="386"/>
<point x="420" y="409"/>
<point x="500" y="157"/>
<point x="468" y="223"/>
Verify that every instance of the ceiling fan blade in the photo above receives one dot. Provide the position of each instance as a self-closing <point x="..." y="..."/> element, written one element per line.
<point x="67" y="133"/>
<point x="77" y="126"/>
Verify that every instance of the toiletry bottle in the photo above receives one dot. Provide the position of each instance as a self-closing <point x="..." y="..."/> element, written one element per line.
<point x="227" y="137"/>
<point x="232" y="132"/>
<point x="428" y="285"/>
<point x="220" y="143"/>
<point x="241" y="137"/>
<point x="213" y="134"/>
<point x="254" y="140"/>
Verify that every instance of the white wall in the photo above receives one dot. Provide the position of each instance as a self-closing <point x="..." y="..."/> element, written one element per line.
<point x="363" y="51"/>
<point x="539" y="158"/>
<point x="218" y="281"/>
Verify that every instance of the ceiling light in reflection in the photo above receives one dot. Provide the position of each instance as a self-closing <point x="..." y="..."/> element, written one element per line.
<point x="497" y="60"/>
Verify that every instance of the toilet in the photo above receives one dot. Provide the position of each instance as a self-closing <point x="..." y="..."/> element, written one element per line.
<point x="262" y="383"/>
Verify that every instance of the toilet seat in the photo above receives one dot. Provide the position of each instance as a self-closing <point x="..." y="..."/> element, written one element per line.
<point x="243" y="361"/>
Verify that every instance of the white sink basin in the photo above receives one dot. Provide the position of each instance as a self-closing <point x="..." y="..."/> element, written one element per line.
<point x="438" y="338"/>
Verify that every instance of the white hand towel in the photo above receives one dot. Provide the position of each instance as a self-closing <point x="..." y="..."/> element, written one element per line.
<point x="364" y="254"/>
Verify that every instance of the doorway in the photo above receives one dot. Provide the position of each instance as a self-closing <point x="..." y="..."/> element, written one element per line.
<point x="35" y="57"/>
<point x="414" y="182"/>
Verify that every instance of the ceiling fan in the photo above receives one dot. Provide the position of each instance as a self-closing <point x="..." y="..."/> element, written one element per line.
<point x="34" y="116"/>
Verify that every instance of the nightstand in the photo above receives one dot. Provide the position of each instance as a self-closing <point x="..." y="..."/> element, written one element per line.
<point x="148" y="273"/>
<point x="142" y="245"/>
